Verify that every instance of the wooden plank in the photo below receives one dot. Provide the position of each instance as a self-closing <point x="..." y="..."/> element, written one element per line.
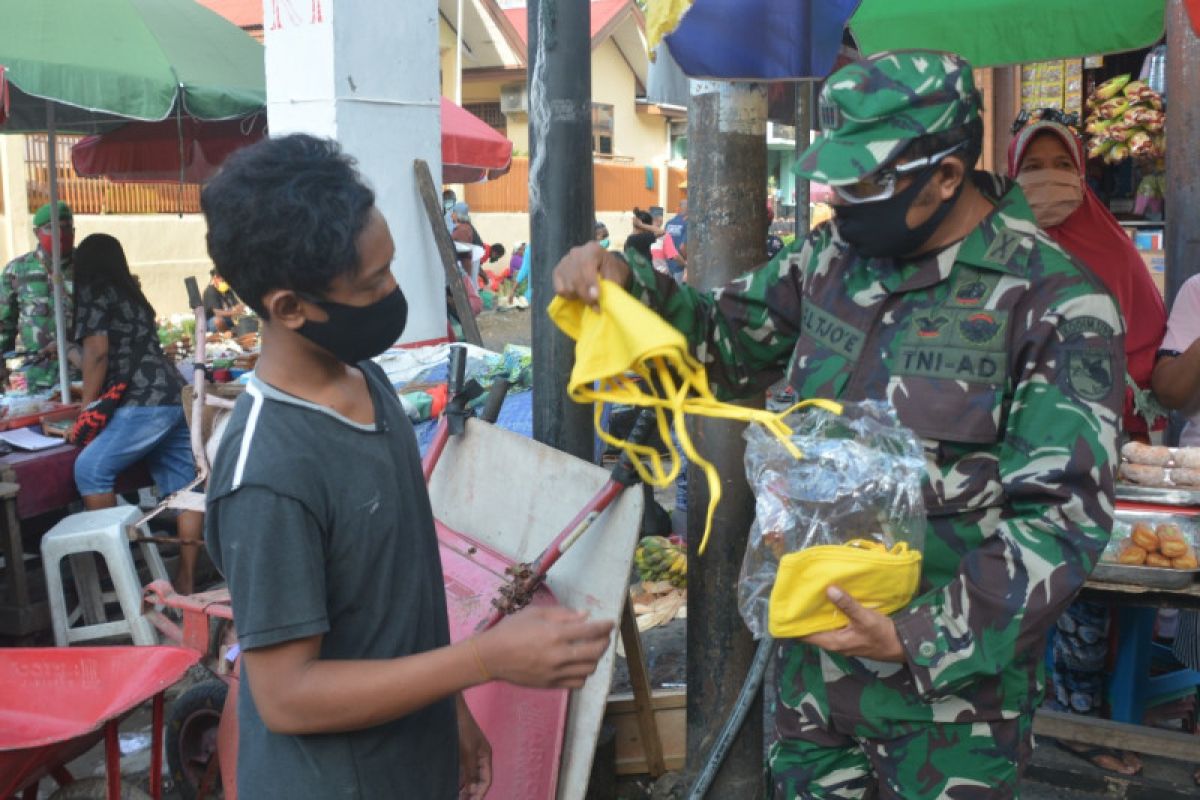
<point x="670" y="716"/>
<point x="1104" y="733"/>
<point x="639" y="678"/>
<point x="445" y="245"/>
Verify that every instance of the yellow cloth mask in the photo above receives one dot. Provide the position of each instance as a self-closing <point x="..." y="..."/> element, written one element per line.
<point x="625" y="340"/>
<point x="878" y="578"/>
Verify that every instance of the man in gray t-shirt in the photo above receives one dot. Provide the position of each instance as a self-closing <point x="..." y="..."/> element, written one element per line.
<point x="319" y="519"/>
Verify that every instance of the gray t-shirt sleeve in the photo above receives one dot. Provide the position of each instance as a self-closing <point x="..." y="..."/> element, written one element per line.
<point x="272" y="555"/>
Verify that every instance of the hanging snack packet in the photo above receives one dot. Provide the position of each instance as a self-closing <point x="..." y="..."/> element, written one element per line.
<point x="847" y="512"/>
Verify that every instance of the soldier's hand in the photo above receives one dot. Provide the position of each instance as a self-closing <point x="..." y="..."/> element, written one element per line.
<point x="869" y="634"/>
<point x="577" y="276"/>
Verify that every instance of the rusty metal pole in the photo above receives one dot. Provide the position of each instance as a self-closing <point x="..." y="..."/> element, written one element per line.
<point x="1004" y="110"/>
<point x="1183" y="143"/>
<point x="805" y="102"/>
<point x="727" y="177"/>
<point x="561" y="202"/>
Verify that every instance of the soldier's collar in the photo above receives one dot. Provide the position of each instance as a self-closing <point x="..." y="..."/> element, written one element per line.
<point x="1005" y="239"/>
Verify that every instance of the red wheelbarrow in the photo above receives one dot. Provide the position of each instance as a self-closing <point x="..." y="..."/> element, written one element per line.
<point x="57" y="703"/>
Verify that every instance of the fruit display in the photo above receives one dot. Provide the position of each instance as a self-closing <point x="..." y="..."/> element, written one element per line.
<point x="659" y="559"/>
<point x="1125" y="118"/>
<point x="1164" y="546"/>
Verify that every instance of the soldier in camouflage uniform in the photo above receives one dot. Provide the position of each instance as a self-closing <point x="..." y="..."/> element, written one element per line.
<point x="933" y="288"/>
<point x="27" y="301"/>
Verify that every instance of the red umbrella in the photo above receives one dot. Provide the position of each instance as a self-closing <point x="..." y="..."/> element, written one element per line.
<point x="471" y="149"/>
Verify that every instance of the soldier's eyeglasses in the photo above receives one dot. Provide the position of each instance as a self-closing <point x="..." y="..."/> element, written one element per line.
<point x="881" y="185"/>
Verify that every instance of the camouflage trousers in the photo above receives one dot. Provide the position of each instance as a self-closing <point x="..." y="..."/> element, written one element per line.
<point x="820" y="756"/>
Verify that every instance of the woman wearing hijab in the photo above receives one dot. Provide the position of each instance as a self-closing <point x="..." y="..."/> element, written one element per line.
<point x="1047" y="159"/>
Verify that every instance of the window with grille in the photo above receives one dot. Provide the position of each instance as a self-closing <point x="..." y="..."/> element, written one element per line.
<point x="489" y="113"/>
<point x="602" y="128"/>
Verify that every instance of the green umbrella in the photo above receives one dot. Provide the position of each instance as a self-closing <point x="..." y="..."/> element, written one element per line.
<point x="994" y="32"/>
<point x="85" y="66"/>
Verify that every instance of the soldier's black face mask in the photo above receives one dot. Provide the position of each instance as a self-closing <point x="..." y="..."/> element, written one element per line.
<point x="880" y="229"/>
<point x="356" y="333"/>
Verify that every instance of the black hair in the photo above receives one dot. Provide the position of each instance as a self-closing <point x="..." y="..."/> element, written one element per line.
<point x="496" y="253"/>
<point x="599" y="225"/>
<point x="448" y="194"/>
<point x="643" y="216"/>
<point x="99" y="262"/>
<point x="971" y="134"/>
<point x="286" y="213"/>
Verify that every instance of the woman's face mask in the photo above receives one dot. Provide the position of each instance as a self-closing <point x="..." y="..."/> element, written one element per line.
<point x="1053" y="194"/>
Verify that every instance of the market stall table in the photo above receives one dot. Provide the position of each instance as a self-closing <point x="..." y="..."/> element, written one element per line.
<point x="37" y="483"/>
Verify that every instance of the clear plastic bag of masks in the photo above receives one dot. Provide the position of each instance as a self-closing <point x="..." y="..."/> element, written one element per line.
<point x="857" y="486"/>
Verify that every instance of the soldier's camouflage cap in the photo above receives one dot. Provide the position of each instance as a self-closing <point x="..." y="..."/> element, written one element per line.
<point x="870" y="110"/>
<point x="42" y="217"/>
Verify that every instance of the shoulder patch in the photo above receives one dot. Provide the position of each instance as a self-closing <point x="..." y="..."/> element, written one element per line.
<point x="1086" y="369"/>
<point x="1005" y="246"/>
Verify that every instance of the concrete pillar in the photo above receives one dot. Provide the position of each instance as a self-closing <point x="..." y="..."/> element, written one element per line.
<point x="727" y="169"/>
<point x="16" y="228"/>
<point x="561" y="202"/>
<point x="1183" y="143"/>
<point x="366" y="74"/>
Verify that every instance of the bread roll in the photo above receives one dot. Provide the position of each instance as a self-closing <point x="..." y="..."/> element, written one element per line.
<point x="1132" y="555"/>
<point x="1185" y="562"/>
<point x="1144" y="537"/>
<point x="1142" y="474"/>
<point x="1188" y="457"/>
<point x="1151" y="455"/>
<point x="1186" y="477"/>
<point x="1156" y="560"/>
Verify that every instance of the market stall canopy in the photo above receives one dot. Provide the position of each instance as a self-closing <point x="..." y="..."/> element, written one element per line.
<point x="151" y="151"/>
<point x="102" y="63"/>
<point x="774" y="40"/>
<point x="472" y="150"/>
<point x="997" y="32"/>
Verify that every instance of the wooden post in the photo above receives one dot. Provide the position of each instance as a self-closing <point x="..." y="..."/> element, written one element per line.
<point x="445" y="246"/>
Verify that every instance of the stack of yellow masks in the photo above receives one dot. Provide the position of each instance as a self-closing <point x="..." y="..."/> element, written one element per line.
<point x="624" y="341"/>
<point x="878" y="578"/>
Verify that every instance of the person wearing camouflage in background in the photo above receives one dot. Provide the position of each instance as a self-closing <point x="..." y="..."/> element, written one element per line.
<point x="932" y="288"/>
<point x="27" y="302"/>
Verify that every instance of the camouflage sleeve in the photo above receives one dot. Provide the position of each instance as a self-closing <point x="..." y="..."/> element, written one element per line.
<point x="8" y="309"/>
<point x="1056" y="468"/>
<point x="744" y="332"/>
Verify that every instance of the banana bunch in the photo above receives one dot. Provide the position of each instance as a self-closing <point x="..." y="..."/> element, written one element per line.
<point x="1125" y="118"/>
<point x="658" y="559"/>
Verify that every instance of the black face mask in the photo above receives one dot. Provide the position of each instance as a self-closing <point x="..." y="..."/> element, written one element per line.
<point x="879" y="230"/>
<point x="356" y="333"/>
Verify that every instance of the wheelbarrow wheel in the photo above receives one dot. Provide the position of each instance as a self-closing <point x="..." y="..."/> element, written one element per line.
<point x="96" y="789"/>
<point x="191" y="738"/>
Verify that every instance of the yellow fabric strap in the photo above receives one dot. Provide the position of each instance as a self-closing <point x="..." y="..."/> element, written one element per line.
<point x="623" y="341"/>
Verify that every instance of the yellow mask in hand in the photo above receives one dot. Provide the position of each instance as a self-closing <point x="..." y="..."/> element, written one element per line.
<point x="624" y="341"/>
<point x="878" y="578"/>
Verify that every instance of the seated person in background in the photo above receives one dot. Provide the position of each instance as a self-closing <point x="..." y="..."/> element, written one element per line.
<point x="350" y="685"/>
<point x="115" y="325"/>
<point x="600" y="234"/>
<point x="221" y="306"/>
<point x="774" y="243"/>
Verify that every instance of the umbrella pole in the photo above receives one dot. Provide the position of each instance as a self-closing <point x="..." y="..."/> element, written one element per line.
<point x="56" y="277"/>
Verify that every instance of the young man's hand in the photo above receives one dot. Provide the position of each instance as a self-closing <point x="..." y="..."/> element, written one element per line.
<point x="544" y="648"/>
<point x="474" y="756"/>
<point x="869" y="634"/>
<point x="577" y="276"/>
